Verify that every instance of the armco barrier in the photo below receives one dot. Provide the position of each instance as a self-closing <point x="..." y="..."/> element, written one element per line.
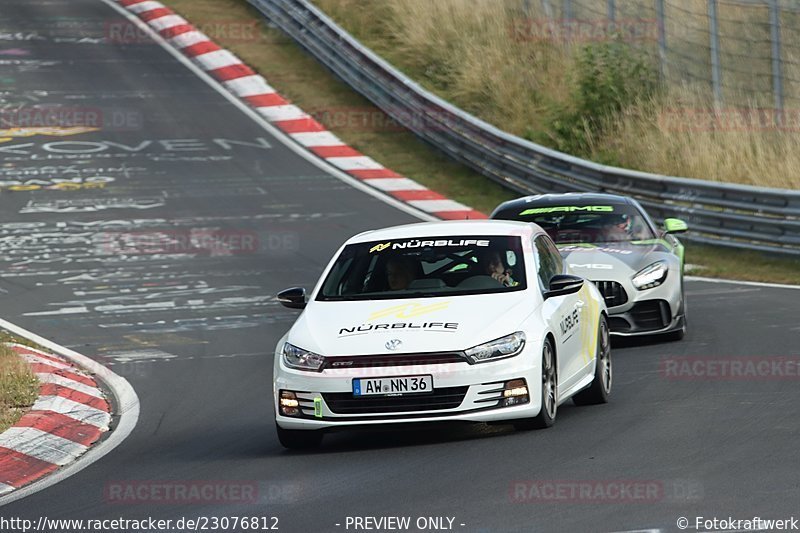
<point x="731" y="215"/>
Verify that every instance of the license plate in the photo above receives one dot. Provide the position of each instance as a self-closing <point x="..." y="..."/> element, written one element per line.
<point x="392" y="386"/>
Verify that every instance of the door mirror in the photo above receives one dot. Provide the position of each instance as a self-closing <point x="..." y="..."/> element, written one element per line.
<point x="675" y="225"/>
<point x="562" y="284"/>
<point x="294" y="298"/>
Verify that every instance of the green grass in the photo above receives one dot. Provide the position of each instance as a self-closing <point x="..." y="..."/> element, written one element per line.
<point x="19" y="387"/>
<point x="297" y="76"/>
<point x="727" y="263"/>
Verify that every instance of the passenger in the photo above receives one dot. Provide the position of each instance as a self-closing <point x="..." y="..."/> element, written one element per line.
<point x="491" y="264"/>
<point x="399" y="272"/>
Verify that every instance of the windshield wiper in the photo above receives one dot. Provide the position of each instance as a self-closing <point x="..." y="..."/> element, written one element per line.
<point x="349" y="298"/>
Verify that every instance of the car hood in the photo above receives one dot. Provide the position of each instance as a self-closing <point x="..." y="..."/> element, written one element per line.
<point x="610" y="260"/>
<point x="420" y="324"/>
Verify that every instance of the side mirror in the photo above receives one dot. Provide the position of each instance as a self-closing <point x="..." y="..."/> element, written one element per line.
<point x="294" y="298"/>
<point x="562" y="284"/>
<point x="675" y="225"/>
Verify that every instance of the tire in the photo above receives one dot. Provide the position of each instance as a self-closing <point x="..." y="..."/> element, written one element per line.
<point x="549" y="393"/>
<point x="298" y="439"/>
<point x="600" y="388"/>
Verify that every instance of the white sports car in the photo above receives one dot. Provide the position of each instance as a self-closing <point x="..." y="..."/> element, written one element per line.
<point x="475" y="321"/>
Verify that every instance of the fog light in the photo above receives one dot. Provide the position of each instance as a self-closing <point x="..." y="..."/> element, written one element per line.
<point x="515" y="392"/>
<point x="289" y="404"/>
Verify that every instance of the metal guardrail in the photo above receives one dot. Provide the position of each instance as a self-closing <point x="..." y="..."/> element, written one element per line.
<point x="737" y="216"/>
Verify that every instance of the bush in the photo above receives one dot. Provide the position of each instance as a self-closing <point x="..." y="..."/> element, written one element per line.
<point x="610" y="77"/>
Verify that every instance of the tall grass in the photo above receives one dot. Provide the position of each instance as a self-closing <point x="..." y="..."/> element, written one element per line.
<point x="471" y="52"/>
<point x="465" y="51"/>
<point x="684" y="135"/>
<point x="18" y="387"/>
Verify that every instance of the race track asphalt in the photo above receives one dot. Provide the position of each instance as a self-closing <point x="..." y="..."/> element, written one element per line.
<point x="161" y="257"/>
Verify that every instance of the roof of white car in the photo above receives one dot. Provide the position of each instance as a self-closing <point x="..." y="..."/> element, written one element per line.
<point x="450" y="228"/>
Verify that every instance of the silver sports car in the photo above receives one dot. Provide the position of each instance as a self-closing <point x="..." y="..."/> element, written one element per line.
<point x="611" y="241"/>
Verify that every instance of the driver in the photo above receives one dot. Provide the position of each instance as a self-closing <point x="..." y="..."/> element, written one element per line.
<point x="399" y="272"/>
<point x="619" y="228"/>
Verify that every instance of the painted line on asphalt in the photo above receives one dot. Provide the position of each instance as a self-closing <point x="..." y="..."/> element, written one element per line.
<point x="747" y="283"/>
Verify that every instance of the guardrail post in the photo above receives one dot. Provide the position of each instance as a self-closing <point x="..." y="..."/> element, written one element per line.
<point x="662" y="40"/>
<point x="777" y="72"/>
<point x="548" y="9"/>
<point x="713" y="29"/>
<point x="566" y="9"/>
<point x="611" y="8"/>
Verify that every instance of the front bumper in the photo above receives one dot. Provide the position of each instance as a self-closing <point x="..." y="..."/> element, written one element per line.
<point x="649" y="312"/>
<point x="461" y="392"/>
<point x="652" y="318"/>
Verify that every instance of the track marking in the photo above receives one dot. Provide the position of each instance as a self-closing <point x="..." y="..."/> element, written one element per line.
<point x="748" y="283"/>
<point x="41" y="445"/>
<point x="127" y="409"/>
<point x="63" y="381"/>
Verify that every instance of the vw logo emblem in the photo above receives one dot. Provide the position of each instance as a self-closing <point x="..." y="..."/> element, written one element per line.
<point x="393" y="344"/>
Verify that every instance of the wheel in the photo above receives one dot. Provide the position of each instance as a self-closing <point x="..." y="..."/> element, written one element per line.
<point x="298" y="439"/>
<point x="547" y="414"/>
<point x="600" y="388"/>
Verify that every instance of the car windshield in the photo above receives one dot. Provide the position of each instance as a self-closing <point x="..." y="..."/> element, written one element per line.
<point x="436" y="266"/>
<point x="588" y="224"/>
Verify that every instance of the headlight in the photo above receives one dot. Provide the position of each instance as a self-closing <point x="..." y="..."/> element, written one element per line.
<point x="507" y="346"/>
<point x="300" y="359"/>
<point x="651" y="276"/>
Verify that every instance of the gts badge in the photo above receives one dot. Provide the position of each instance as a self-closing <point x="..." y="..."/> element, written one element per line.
<point x="570" y="322"/>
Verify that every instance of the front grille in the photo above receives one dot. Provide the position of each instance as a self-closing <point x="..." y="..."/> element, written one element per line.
<point x="403" y="359"/>
<point x="651" y="314"/>
<point x="613" y="292"/>
<point x="343" y="403"/>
